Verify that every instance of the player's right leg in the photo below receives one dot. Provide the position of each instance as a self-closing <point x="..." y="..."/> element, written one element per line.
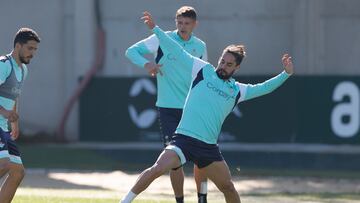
<point x="201" y="184"/>
<point x="167" y="160"/>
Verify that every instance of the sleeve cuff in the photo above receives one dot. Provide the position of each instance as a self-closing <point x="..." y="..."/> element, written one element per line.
<point x="156" y="29"/>
<point x="285" y="73"/>
<point x="143" y="64"/>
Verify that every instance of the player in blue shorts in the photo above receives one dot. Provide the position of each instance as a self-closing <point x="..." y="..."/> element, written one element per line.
<point x="212" y="97"/>
<point x="173" y="82"/>
<point x="13" y="72"/>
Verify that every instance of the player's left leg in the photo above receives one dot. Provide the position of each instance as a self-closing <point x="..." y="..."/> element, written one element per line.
<point x="201" y="184"/>
<point x="16" y="172"/>
<point x="219" y="173"/>
<point x="169" y="119"/>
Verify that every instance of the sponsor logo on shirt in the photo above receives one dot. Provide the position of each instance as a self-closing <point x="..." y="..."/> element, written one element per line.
<point x="220" y="92"/>
<point x="171" y="57"/>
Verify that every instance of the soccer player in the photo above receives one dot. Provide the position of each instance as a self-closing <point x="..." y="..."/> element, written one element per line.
<point x="173" y="82"/>
<point x="212" y="97"/>
<point x="13" y="72"/>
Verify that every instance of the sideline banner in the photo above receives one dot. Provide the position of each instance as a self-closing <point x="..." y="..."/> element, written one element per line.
<point x="306" y="109"/>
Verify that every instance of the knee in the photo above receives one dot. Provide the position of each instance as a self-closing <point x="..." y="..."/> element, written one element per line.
<point x="22" y="172"/>
<point x="227" y="187"/>
<point x="157" y="170"/>
<point x="18" y="172"/>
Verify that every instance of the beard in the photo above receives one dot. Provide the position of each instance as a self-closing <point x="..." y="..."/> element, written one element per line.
<point x="223" y="75"/>
<point x="24" y="60"/>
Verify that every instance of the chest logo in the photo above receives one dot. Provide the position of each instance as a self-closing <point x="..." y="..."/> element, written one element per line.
<point x="171" y="57"/>
<point x="220" y="92"/>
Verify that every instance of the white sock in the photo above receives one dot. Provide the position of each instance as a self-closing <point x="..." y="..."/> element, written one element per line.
<point x="203" y="187"/>
<point x="128" y="198"/>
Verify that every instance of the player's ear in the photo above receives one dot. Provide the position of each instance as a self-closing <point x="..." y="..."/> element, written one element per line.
<point x="196" y="23"/>
<point x="18" y="46"/>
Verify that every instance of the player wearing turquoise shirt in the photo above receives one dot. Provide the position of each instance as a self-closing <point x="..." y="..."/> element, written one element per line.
<point x="173" y="80"/>
<point x="173" y="84"/>
<point x="13" y="72"/>
<point x="197" y="133"/>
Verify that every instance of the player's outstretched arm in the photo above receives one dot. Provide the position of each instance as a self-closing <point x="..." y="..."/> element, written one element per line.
<point x="167" y="44"/>
<point x="253" y="91"/>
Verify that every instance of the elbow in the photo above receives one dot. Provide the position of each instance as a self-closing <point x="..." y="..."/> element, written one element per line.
<point x="128" y="52"/>
<point x="131" y="52"/>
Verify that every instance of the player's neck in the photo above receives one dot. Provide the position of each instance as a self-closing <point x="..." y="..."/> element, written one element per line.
<point x="15" y="55"/>
<point x="185" y="37"/>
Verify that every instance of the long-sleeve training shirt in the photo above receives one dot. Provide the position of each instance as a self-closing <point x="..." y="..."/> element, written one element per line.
<point x="210" y="99"/>
<point x="174" y="84"/>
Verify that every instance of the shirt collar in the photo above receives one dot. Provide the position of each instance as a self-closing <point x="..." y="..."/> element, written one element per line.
<point x="177" y="36"/>
<point x="13" y="60"/>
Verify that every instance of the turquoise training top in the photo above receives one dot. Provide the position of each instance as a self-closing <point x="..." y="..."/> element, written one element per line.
<point x="210" y="99"/>
<point x="174" y="84"/>
<point x="6" y="73"/>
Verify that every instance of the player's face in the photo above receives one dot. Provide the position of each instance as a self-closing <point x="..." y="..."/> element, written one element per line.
<point x="226" y="66"/>
<point x="185" y="26"/>
<point x="27" y="51"/>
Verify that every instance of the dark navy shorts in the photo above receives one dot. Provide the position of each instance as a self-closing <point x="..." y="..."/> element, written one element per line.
<point x="169" y="119"/>
<point x="8" y="148"/>
<point x="194" y="150"/>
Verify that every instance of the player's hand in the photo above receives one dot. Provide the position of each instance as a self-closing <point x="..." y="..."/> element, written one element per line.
<point x="12" y="116"/>
<point x="287" y="63"/>
<point x="15" y="130"/>
<point x="153" y="68"/>
<point x="148" y="20"/>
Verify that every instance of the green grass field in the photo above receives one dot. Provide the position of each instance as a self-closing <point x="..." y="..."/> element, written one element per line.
<point x="49" y="196"/>
<point x="28" y="199"/>
<point x="94" y="160"/>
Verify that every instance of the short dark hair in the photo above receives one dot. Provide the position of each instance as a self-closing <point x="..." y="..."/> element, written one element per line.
<point x="186" y="11"/>
<point x="238" y="51"/>
<point x="24" y="35"/>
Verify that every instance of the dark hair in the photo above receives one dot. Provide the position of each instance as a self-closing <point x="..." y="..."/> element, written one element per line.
<point x="24" y="35"/>
<point x="186" y="11"/>
<point x="238" y="51"/>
